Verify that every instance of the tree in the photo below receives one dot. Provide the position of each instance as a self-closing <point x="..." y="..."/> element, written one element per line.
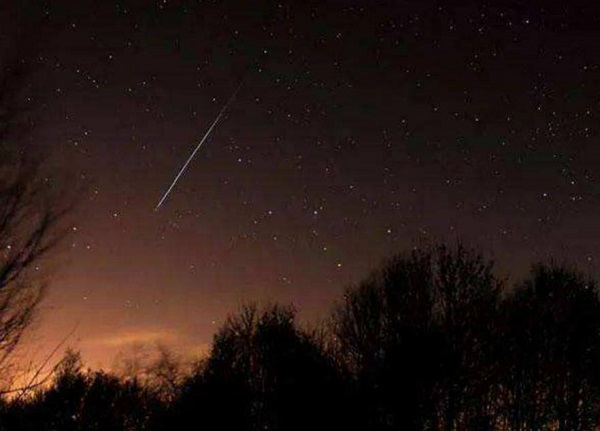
<point x="31" y="212"/>
<point x="414" y="336"/>
<point x="155" y="366"/>
<point x="29" y="230"/>
<point x="59" y="407"/>
<point x="84" y="400"/>
<point x="551" y="343"/>
<point x="263" y="373"/>
<point x="466" y="300"/>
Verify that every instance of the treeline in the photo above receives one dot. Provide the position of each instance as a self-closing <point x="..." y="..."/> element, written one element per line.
<point x="432" y="340"/>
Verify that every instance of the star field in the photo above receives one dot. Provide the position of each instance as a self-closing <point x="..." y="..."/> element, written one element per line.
<point x="360" y="130"/>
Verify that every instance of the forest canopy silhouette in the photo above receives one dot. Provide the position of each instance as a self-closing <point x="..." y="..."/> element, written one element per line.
<point x="431" y="340"/>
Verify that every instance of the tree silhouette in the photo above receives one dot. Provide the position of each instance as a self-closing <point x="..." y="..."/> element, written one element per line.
<point x="59" y="406"/>
<point x="552" y="348"/>
<point x="31" y="213"/>
<point x="414" y="336"/>
<point x="154" y="366"/>
<point x="465" y="303"/>
<point x="265" y="373"/>
<point x="86" y="400"/>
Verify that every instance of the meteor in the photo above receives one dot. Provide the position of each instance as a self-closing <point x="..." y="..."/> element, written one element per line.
<point x="212" y="126"/>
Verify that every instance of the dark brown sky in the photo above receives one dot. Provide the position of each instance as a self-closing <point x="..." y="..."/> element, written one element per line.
<point x="360" y="130"/>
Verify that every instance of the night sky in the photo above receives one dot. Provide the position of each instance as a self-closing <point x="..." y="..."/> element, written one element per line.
<point x="360" y="130"/>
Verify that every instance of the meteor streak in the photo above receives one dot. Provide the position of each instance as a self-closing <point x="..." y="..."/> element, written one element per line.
<point x="198" y="146"/>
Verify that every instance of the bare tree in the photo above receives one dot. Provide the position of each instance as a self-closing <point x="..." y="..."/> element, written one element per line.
<point x="29" y="229"/>
<point x="156" y="367"/>
<point x="551" y="348"/>
<point x="31" y="209"/>
<point x="415" y="338"/>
